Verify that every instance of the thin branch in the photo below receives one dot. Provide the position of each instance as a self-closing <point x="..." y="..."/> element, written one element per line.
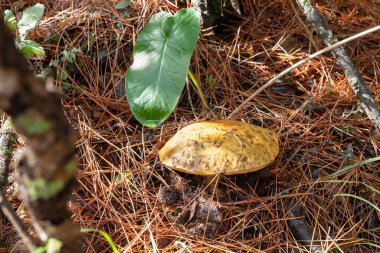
<point x="17" y="223"/>
<point x="286" y="71"/>
<point x="7" y="139"/>
<point x="353" y="75"/>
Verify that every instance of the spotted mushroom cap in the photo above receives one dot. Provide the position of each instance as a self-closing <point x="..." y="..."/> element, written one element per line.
<point x="225" y="146"/>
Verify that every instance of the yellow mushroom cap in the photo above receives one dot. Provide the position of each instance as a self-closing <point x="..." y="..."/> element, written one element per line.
<point x="220" y="146"/>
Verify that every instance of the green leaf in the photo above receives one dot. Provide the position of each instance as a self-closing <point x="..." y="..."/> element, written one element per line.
<point x="122" y="5"/>
<point x="40" y="249"/>
<point x="104" y="234"/>
<point x="54" y="63"/>
<point x="30" y="48"/>
<point x="10" y="19"/>
<point x="30" y="18"/>
<point x="156" y="79"/>
<point x="69" y="55"/>
<point x="53" y="245"/>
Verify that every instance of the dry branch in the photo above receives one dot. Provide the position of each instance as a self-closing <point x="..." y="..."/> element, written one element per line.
<point x="286" y="71"/>
<point x="47" y="168"/>
<point x="7" y="137"/>
<point x="16" y="222"/>
<point x="354" y="78"/>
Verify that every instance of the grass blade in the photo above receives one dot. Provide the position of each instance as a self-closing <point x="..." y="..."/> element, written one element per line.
<point x="201" y="95"/>
<point x="104" y="234"/>
<point x="354" y="165"/>
<point x="360" y="198"/>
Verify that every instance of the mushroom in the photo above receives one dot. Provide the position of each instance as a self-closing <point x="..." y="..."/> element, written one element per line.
<point x="220" y="147"/>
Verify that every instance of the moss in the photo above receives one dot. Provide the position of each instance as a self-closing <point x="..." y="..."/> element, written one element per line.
<point x="32" y="125"/>
<point x="70" y="165"/>
<point x="39" y="188"/>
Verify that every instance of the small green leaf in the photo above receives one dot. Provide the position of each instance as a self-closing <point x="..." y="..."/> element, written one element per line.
<point x="54" y="63"/>
<point x="69" y="55"/>
<point x="30" y="48"/>
<point x="55" y="37"/>
<point x="155" y="81"/>
<point x="10" y="19"/>
<point x="103" y="54"/>
<point x="62" y="74"/>
<point x="122" y="5"/>
<point x="53" y="245"/>
<point x="30" y="18"/>
<point x="40" y="249"/>
<point x="33" y="125"/>
<point x="40" y="188"/>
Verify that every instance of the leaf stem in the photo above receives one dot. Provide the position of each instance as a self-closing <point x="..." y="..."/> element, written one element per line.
<point x="201" y="95"/>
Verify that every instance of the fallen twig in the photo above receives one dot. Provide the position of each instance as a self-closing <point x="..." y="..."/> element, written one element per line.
<point x="274" y="79"/>
<point x="354" y="77"/>
<point x="16" y="223"/>
<point x="7" y="137"/>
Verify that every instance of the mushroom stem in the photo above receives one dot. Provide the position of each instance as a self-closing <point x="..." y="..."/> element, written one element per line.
<point x="212" y="183"/>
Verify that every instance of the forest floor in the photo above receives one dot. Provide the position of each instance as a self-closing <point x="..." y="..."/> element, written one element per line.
<point x="319" y="120"/>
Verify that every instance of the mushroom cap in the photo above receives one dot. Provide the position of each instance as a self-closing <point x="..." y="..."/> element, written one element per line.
<point x="220" y="146"/>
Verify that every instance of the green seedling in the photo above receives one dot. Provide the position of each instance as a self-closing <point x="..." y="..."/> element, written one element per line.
<point x="104" y="234"/>
<point x="122" y="5"/>
<point x="66" y="56"/>
<point x="30" y="18"/>
<point x="195" y="82"/>
<point x="348" y="153"/>
<point x="349" y="167"/>
<point x="53" y="246"/>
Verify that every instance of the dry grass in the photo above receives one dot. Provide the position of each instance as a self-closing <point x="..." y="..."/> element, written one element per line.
<point x="313" y="110"/>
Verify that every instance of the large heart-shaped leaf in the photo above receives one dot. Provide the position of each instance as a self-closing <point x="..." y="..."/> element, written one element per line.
<point x="162" y="54"/>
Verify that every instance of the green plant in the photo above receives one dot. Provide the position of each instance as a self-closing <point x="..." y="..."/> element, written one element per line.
<point x="66" y="56"/>
<point x="52" y="246"/>
<point x="195" y="82"/>
<point x="346" y="168"/>
<point x="155" y="81"/>
<point x="104" y="234"/>
<point x="373" y="189"/>
<point x="30" y="18"/>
